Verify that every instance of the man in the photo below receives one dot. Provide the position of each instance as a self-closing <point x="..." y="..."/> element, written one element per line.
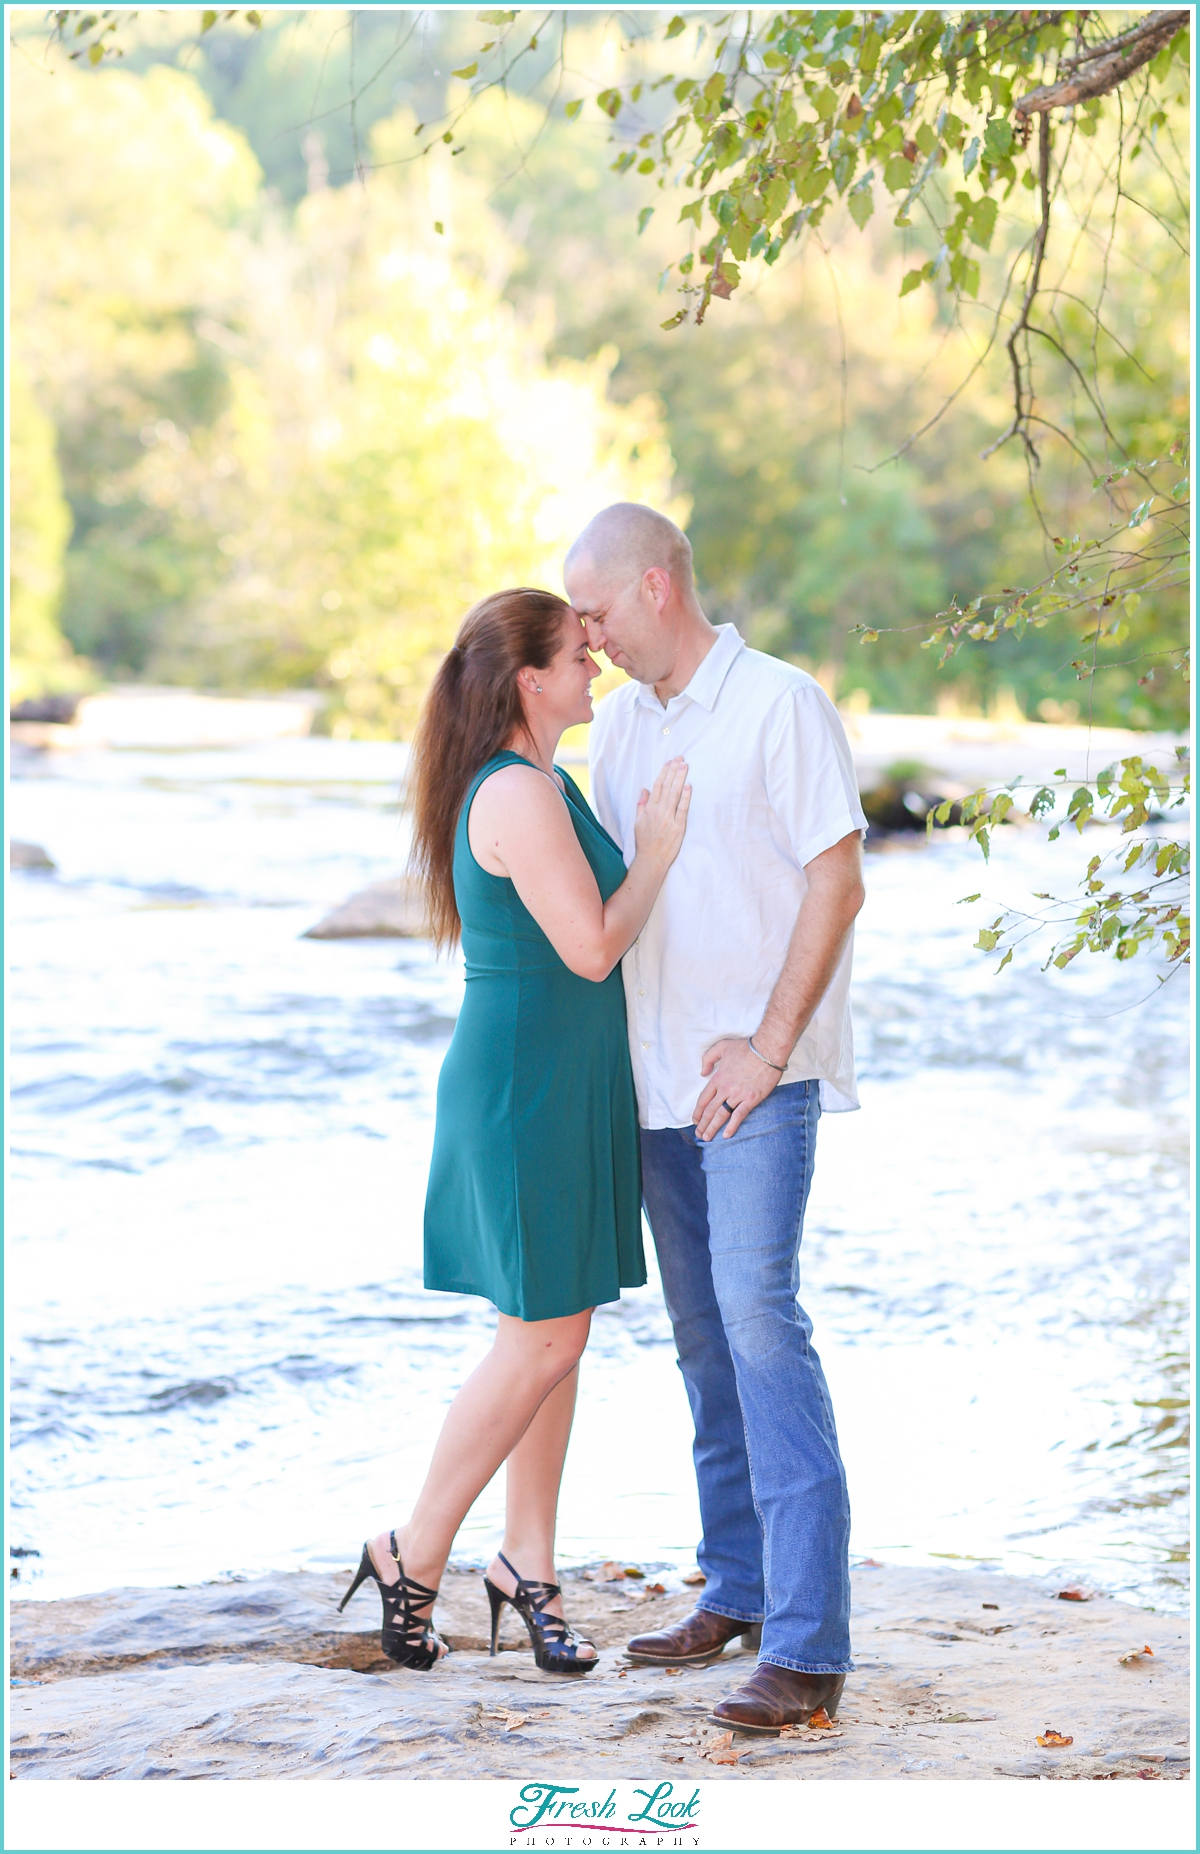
<point x="740" y="1034"/>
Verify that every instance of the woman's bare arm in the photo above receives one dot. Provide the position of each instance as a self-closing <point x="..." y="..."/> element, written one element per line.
<point x="520" y="826"/>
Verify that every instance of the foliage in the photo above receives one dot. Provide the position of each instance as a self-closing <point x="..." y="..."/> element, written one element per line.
<point x="295" y="451"/>
<point x="40" y="658"/>
<point x="1149" y="912"/>
<point x="1013" y="181"/>
<point x="791" y="113"/>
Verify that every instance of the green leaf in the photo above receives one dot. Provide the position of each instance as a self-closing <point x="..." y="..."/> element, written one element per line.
<point x="95" y="53"/>
<point x="691" y="211"/>
<point x="983" y="221"/>
<point x="207" y="20"/>
<point x="987" y="939"/>
<point x="997" y="139"/>
<point x="438" y="226"/>
<point x="963" y="900"/>
<point x="644" y="218"/>
<point x="1003" y="963"/>
<point x="862" y="204"/>
<point x="897" y="174"/>
<point x="676" y="26"/>
<point x="497" y="18"/>
<point x="912" y="281"/>
<point x="610" y="102"/>
<point x="468" y="70"/>
<point x="971" y="157"/>
<point x="572" y="110"/>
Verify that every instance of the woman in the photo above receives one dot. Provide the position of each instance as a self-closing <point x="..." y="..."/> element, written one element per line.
<point x="534" y="1195"/>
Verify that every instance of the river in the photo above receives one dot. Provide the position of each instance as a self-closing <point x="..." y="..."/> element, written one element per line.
<point x="223" y="1361"/>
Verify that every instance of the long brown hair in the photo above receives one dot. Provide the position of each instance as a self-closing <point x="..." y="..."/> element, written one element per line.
<point x="473" y="707"/>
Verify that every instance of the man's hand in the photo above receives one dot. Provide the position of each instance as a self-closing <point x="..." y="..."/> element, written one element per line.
<point x="740" y="1080"/>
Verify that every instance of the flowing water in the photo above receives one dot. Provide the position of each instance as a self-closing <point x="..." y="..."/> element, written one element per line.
<point x="223" y="1360"/>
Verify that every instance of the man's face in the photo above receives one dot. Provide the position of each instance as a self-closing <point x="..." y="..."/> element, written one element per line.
<point x="624" y="618"/>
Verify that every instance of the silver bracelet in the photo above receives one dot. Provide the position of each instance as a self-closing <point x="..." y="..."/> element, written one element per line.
<point x="770" y="1065"/>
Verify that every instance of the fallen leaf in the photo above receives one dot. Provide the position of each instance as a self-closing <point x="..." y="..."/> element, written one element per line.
<point x="695" y="1577"/>
<point x="672" y="1670"/>
<point x="868" y="1564"/>
<point x="634" y="1570"/>
<point x="820" y="1721"/>
<point x="721" y="1742"/>
<point x="991" y="1606"/>
<point x="1053" y="1738"/>
<point x="1073" y="1594"/>
<point x="1138" y="1654"/>
<point x="656" y="1590"/>
<point x="606" y="1573"/>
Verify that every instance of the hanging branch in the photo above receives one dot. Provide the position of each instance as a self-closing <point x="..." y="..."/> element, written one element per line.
<point x="1022" y="395"/>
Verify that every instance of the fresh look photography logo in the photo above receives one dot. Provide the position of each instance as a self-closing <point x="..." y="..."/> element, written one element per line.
<point x="572" y="1815"/>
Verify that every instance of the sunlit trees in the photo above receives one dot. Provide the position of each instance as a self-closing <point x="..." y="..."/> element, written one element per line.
<point x="296" y="449"/>
<point x="40" y="658"/>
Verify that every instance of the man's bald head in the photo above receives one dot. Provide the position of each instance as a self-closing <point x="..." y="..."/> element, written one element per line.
<point x="625" y="541"/>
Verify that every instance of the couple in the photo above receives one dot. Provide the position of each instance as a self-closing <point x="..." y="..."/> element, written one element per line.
<point x="655" y="1013"/>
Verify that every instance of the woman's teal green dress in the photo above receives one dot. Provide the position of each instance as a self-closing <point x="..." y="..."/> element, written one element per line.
<point x="535" y="1186"/>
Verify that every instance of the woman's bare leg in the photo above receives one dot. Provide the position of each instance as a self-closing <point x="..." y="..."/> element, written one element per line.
<point x="535" y="1469"/>
<point x="483" y="1426"/>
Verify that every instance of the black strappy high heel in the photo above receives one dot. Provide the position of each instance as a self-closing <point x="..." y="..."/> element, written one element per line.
<point x="407" y="1639"/>
<point x="555" y="1646"/>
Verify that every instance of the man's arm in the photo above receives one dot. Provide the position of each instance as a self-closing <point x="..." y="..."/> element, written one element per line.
<point x="835" y="895"/>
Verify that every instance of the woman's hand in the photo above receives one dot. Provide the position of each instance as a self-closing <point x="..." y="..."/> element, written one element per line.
<point x="662" y="815"/>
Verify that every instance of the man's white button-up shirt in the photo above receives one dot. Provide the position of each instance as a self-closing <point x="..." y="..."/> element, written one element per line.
<point x="772" y="787"/>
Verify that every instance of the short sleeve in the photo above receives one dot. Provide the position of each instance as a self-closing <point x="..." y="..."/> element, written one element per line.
<point x="809" y="772"/>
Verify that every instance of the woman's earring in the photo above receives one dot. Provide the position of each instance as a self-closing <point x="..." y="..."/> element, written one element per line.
<point x="537" y="688"/>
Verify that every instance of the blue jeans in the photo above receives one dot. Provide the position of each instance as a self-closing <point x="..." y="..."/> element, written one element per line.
<point x="727" y="1219"/>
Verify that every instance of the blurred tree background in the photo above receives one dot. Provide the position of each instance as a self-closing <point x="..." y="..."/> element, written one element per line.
<point x="274" y="428"/>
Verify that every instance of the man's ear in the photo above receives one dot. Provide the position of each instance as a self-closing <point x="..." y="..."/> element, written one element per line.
<point x="657" y="582"/>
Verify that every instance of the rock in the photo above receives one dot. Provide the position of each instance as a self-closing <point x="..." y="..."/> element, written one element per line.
<point x="59" y="709"/>
<point x="386" y="910"/>
<point x="28" y="856"/>
<point x="291" y="1617"/>
<point x="262" y="1679"/>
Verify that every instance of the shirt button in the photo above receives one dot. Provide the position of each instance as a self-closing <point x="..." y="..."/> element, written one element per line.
<point x="666" y="730"/>
<point x="645" y="1045"/>
<point x="641" y="993"/>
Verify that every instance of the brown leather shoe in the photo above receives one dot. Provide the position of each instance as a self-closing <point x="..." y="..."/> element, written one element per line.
<point x="777" y="1696"/>
<point x="699" y="1637"/>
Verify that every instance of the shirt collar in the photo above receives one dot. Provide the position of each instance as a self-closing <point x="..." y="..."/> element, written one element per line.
<point x="709" y="678"/>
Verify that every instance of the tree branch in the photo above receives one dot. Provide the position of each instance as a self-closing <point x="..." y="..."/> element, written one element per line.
<point x="1112" y="64"/>
<point x="1023" y="403"/>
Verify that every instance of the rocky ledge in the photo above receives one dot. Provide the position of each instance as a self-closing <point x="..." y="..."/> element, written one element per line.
<point x="960" y="1674"/>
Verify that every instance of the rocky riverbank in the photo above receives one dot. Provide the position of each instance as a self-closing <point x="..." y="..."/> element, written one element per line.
<point x="959" y="1675"/>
